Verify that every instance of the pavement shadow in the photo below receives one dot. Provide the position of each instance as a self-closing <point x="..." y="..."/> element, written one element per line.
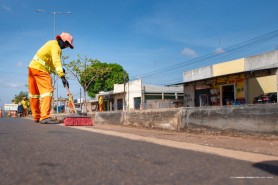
<point x="268" y="166"/>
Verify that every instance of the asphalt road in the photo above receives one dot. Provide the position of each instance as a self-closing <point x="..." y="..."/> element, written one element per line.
<point x="36" y="154"/>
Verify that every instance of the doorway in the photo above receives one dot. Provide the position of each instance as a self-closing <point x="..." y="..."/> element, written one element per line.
<point x="137" y="103"/>
<point x="202" y="97"/>
<point x="119" y="104"/>
<point x="228" y="94"/>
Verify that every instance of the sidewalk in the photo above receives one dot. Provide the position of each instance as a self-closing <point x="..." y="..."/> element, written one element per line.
<point x="249" y="143"/>
<point x="259" y="143"/>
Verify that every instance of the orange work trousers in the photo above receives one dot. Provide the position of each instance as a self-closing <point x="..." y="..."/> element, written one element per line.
<point x="71" y="107"/>
<point x="40" y="90"/>
<point x="100" y="107"/>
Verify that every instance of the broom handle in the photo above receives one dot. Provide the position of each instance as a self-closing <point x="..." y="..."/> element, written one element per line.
<point x="71" y="98"/>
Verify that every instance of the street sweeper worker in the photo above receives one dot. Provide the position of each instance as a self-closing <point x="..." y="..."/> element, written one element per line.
<point x="25" y="105"/>
<point x="100" y="102"/>
<point x="47" y="60"/>
<point x="70" y="103"/>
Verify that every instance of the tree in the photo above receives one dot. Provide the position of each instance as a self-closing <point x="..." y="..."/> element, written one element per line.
<point x="114" y="74"/>
<point x="18" y="97"/>
<point x="95" y="76"/>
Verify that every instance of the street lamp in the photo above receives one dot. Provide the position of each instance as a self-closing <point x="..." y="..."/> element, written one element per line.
<point x="54" y="16"/>
<point x="54" y="23"/>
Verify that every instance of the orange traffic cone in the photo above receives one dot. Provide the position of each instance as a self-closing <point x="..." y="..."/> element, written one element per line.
<point x="1" y="115"/>
<point x="14" y="114"/>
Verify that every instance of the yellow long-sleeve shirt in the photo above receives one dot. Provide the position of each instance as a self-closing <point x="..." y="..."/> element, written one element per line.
<point x="50" y="54"/>
<point x="25" y="104"/>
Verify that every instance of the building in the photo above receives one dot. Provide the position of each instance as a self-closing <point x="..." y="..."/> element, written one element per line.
<point x="133" y="95"/>
<point x="233" y="82"/>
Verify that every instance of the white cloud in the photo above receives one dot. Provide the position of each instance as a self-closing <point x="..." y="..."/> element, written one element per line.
<point x="13" y="85"/>
<point x="7" y="8"/>
<point x="219" y="50"/>
<point x="19" y="64"/>
<point x="189" y="52"/>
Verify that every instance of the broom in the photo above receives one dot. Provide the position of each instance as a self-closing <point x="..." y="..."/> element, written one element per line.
<point x="76" y="119"/>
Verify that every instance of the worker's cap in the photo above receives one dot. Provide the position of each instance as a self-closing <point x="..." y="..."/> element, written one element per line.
<point x="66" y="37"/>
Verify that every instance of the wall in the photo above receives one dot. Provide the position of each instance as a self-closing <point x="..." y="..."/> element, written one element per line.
<point x="159" y="104"/>
<point x="131" y="89"/>
<point x="267" y="60"/>
<point x="189" y="91"/>
<point x="260" y="85"/>
<point x="109" y="117"/>
<point x="235" y="66"/>
<point x="134" y="90"/>
<point x="198" y="74"/>
<point x="162" y="118"/>
<point x="259" y="118"/>
<point x="263" y="61"/>
<point x="116" y="98"/>
<point x="245" y="118"/>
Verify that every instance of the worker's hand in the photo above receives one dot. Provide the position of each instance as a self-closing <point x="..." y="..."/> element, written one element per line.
<point x="65" y="82"/>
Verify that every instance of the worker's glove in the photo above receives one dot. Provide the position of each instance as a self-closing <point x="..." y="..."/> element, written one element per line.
<point x="65" y="82"/>
<point x="64" y="70"/>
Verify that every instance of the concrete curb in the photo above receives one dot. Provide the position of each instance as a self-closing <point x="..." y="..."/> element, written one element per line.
<point x="246" y="118"/>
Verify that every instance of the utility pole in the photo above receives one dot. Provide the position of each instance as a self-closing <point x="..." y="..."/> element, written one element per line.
<point x="124" y="94"/>
<point x="80" y="101"/>
<point x="54" y="34"/>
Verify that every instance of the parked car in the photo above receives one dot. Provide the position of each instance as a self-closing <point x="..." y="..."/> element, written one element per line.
<point x="266" y="98"/>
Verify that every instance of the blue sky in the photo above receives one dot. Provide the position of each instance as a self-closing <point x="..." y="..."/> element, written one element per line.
<point x="153" y="39"/>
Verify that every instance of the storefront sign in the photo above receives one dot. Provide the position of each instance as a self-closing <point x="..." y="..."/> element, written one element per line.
<point x="8" y="107"/>
<point x="200" y="87"/>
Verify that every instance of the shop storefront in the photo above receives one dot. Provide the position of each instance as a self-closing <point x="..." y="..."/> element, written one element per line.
<point x="228" y="90"/>
<point x="233" y="82"/>
<point x="225" y="90"/>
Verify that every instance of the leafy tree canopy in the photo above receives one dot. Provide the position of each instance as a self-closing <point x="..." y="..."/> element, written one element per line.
<point x="95" y="76"/>
<point x="110" y="74"/>
<point x="18" y="97"/>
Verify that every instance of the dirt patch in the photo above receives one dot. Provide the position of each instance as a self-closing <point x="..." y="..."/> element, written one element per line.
<point x="257" y="143"/>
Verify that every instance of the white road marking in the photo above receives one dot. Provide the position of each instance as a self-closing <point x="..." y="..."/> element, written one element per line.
<point x="240" y="155"/>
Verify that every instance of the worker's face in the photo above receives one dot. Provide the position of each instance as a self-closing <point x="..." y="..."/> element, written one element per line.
<point x="63" y="44"/>
<point x="67" y="44"/>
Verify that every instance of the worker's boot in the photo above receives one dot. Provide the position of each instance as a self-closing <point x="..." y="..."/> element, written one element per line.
<point x="49" y="121"/>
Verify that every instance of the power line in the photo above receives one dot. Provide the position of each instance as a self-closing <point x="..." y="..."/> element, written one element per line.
<point x="206" y="59"/>
<point x="237" y="50"/>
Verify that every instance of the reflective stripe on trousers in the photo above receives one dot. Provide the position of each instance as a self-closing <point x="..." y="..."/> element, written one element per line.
<point x="40" y="90"/>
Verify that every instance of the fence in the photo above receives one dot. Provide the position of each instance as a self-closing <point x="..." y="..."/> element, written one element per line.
<point x="161" y="104"/>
